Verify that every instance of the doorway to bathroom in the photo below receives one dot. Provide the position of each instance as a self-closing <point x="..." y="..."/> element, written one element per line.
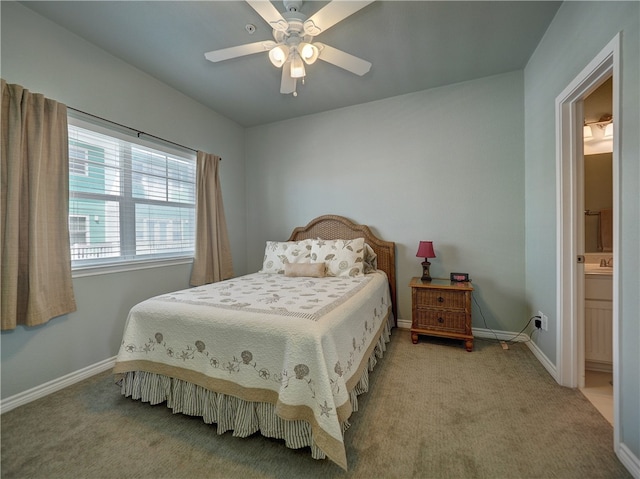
<point x="571" y="221"/>
<point x="595" y="380"/>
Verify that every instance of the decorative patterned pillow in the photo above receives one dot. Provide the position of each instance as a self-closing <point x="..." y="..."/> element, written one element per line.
<point x="370" y="259"/>
<point x="278" y="253"/>
<point x="342" y="257"/>
<point x="309" y="270"/>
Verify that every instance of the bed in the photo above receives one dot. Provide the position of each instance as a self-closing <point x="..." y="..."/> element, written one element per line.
<point x="284" y="351"/>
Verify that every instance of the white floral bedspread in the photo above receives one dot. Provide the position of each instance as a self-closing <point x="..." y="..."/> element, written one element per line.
<point x="298" y="343"/>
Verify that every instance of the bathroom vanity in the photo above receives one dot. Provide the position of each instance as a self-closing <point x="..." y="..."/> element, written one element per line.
<point x="598" y="316"/>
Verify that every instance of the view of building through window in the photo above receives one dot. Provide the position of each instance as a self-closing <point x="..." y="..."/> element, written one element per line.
<point x="127" y="201"/>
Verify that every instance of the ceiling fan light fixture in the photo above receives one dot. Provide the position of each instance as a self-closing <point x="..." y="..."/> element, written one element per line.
<point x="294" y="33"/>
<point x="308" y="52"/>
<point x="278" y="55"/>
<point x="297" y="67"/>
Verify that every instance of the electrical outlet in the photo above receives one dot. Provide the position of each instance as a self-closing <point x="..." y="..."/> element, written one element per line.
<point x="542" y="320"/>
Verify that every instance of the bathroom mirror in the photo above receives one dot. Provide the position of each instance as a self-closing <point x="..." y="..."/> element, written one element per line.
<point x="598" y="203"/>
<point x="598" y="170"/>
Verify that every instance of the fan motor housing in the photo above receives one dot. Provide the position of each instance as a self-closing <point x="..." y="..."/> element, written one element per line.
<point x="292" y="5"/>
<point x="295" y="32"/>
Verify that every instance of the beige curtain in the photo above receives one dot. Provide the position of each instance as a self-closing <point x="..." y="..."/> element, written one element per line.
<point x="35" y="261"/>
<point x="212" y="260"/>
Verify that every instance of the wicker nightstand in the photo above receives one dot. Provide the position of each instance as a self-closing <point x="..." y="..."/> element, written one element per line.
<point x="441" y="308"/>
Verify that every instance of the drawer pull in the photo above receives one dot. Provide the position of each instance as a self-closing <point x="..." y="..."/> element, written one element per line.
<point x="440" y="320"/>
<point x="440" y="299"/>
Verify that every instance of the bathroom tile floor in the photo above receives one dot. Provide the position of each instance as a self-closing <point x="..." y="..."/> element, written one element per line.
<point x="598" y="389"/>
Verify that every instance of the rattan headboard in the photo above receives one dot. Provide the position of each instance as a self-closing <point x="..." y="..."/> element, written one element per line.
<point x="339" y="227"/>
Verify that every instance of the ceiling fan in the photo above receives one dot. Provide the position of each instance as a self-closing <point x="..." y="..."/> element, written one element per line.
<point x="294" y="34"/>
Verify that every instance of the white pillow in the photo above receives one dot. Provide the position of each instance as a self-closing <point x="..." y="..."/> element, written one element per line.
<point x="342" y="257"/>
<point x="278" y="253"/>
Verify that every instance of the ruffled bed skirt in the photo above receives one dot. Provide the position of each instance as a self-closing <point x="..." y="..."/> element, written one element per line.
<point x="230" y="413"/>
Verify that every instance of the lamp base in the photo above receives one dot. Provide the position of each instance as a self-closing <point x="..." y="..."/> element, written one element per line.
<point x="425" y="271"/>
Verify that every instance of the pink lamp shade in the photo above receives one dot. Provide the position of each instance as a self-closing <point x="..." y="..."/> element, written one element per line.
<point x="425" y="250"/>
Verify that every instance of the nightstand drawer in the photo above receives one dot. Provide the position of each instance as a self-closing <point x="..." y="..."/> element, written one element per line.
<point x="439" y="298"/>
<point x="440" y="320"/>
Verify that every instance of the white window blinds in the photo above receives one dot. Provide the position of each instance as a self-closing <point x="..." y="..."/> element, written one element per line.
<point x="129" y="200"/>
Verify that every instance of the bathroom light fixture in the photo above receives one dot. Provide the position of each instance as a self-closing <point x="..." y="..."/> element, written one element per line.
<point x="425" y="250"/>
<point x="599" y="130"/>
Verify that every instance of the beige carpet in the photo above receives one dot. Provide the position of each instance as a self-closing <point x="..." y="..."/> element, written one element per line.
<point x="434" y="411"/>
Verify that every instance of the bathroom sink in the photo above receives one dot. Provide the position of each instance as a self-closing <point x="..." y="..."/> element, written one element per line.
<point x="594" y="268"/>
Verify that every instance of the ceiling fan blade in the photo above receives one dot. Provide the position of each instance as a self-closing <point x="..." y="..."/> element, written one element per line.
<point x="239" y="51"/>
<point x="287" y="84"/>
<point x="270" y="14"/>
<point x="343" y="59"/>
<point x="332" y="13"/>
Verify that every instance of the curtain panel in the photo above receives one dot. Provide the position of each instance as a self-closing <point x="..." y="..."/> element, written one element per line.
<point x="35" y="260"/>
<point x="212" y="260"/>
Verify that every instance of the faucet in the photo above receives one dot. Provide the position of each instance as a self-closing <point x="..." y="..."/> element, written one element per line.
<point x="604" y="263"/>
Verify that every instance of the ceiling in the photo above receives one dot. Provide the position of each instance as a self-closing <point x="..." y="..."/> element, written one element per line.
<point x="413" y="46"/>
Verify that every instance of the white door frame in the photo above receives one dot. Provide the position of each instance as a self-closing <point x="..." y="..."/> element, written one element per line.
<point x="569" y="151"/>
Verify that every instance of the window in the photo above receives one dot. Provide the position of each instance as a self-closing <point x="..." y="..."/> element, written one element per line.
<point x="78" y="160"/>
<point x="129" y="200"/>
<point x="78" y="233"/>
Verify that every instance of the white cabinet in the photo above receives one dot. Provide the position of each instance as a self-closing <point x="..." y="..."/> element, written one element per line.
<point x="598" y="310"/>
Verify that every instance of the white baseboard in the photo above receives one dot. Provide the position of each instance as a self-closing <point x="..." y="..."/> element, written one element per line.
<point x="500" y="335"/>
<point x="544" y="360"/>
<point x="43" y="390"/>
<point x="480" y="332"/>
<point x="630" y="461"/>
<point x="601" y="366"/>
<point x="404" y="323"/>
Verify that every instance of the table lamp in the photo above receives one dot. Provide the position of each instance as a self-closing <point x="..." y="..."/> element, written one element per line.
<point x="425" y="250"/>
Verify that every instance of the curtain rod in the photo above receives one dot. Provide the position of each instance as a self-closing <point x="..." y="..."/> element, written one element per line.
<point x="138" y="132"/>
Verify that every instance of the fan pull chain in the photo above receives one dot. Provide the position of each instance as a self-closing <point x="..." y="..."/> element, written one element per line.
<point x="295" y="92"/>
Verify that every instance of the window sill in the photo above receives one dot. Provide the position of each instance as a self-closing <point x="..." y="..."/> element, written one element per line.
<point x="83" y="271"/>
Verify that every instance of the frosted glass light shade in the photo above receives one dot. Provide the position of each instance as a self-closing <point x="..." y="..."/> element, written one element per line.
<point x="308" y="52"/>
<point x="297" y="67"/>
<point x="278" y="55"/>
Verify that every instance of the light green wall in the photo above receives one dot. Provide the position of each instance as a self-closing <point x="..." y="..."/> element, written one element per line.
<point x="578" y="33"/>
<point x="444" y="165"/>
<point x="47" y="59"/>
<point x="452" y="165"/>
